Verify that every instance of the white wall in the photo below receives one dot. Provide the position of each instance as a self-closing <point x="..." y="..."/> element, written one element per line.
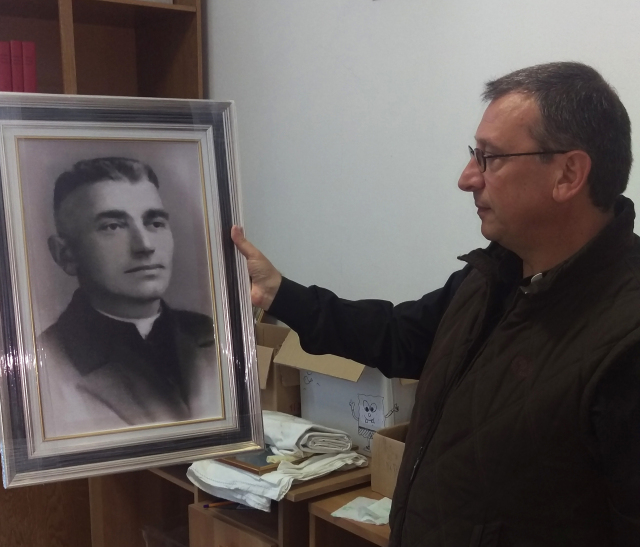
<point x="354" y="118"/>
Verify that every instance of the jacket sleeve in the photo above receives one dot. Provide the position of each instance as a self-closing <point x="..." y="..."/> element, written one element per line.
<point x="615" y="417"/>
<point x="394" y="339"/>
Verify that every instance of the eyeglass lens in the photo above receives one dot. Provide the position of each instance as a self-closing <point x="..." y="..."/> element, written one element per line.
<point x="479" y="157"/>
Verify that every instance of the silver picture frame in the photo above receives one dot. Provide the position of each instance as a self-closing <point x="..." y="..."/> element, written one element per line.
<point x="126" y="324"/>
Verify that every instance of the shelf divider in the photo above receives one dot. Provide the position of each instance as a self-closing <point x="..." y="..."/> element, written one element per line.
<point x="69" y="80"/>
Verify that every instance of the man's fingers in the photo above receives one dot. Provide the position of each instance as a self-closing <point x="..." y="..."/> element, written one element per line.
<point x="265" y="279"/>
<point x="243" y="244"/>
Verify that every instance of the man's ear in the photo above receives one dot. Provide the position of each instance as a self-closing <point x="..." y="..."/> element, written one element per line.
<point x="63" y="255"/>
<point x="573" y="179"/>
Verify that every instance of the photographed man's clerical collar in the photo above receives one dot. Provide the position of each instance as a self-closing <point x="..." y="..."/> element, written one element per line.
<point x="143" y="325"/>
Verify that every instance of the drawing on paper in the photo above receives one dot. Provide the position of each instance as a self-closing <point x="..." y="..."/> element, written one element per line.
<point x="370" y="415"/>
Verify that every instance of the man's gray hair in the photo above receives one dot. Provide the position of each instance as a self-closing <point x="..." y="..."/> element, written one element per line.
<point x="579" y="110"/>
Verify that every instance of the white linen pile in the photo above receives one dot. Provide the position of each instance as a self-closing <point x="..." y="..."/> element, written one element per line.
<point x="292" y="436"/>
<point x="257" y="491"/>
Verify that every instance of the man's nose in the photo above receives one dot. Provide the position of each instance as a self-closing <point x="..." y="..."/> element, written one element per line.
<point x="471" y="178"/>
<point x="141" y="240"/>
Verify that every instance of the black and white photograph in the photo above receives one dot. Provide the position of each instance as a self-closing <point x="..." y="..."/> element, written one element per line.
<point x="120" y="289"/>
<point x="120" y="351"/>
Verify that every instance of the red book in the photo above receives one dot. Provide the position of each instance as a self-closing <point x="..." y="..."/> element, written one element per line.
<point x="5" y="67"/>
<point x="17" y="74"/>
<point x="29" y="66"/>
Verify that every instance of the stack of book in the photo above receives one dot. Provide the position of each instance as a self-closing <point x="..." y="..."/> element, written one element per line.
<point x="18" y="66"/>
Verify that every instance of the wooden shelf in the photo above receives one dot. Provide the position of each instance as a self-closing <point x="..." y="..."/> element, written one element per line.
<point x="32" y="9"/>
<point x="177" y="474"/>
<point x="322" y="509"/>
<point x="332" y="482"/>
<point x="251" y="520"/>
<point x="148" y="5"/>
<point x="125" y="13"/>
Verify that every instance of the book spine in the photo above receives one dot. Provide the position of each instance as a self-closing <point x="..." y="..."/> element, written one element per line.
<point x="17" y="74"/>
<point x="29" y="66"/>
<point x="5" y="67"/>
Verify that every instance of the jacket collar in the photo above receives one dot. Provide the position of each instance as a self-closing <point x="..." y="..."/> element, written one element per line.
<point x="500" y="264"/>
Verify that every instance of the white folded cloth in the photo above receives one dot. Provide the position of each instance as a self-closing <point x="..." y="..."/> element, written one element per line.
<point x="224" y="481"/>
<point x="293" y="436"/>
<point x="366" y="510"/>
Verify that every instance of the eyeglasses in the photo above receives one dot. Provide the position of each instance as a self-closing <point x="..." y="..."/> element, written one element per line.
<point x="481" y="158"/>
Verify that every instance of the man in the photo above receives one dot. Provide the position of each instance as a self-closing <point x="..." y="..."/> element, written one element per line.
<point x="526" y="425"/>
<point x="119" y="356"/>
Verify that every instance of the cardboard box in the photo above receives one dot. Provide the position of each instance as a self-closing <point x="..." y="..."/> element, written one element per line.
<point x="388" y="447"/>
<point x="346" y="395"/>
<point x="279" y="385"/>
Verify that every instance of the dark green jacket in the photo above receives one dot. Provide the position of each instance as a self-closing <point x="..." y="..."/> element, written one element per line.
<point x="500" y="449"/>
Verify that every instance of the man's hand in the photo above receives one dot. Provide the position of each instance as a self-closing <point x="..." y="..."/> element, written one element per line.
<point x="265" y="279"/>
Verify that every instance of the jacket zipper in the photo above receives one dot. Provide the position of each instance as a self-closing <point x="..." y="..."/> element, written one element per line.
<point x="454" y="380"/>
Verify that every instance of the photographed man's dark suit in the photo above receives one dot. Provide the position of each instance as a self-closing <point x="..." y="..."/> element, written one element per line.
<point x="99" y="374"/>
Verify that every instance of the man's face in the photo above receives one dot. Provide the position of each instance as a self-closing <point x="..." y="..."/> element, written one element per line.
<point x="120" y="240"/>
<point x="514" y="195"/>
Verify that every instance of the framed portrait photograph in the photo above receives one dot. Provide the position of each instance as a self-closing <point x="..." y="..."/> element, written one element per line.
<point x="126" y="324"/>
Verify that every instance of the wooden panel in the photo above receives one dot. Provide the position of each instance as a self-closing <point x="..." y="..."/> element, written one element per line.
<point x="106" y="60"/>
<point x="251" y="520"/>
<point x="163" y="505"/>
<point x="323" y="508"/>
<point x="115" y="518"/>
<point x="123" y="505"/>
<point x="169" y="61"/>
<point x="207" y="531"/>
<point x="45" y="515"/>
<point x="46" y="34"/>
<point x="293" y="523"/>
<point x="191" y="3"/>
<point x="177" y="474"/>
<point x="331" y="483"/>
<point x="123" y="12"/>
<point x="201" y="528"/>
<point x="34" y="9"/>
<point x="226" y="535"/>
<point x="67" y="43"/>
<point x="323" y="534"/>
<point x="176" y="6"/>
<point x="199" y="52"/>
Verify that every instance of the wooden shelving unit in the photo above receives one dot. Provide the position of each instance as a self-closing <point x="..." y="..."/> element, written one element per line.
<point x="122" y="505"/>
<point x="111" y="47"/>
<point x="104" y="47"/>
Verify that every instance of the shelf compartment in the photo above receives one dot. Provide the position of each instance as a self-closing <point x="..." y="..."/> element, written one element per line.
<point x="45" y="32"/>
<point x="124" y="12"/>
<point x="136" y="50"/>
<point x="250" y="527"/>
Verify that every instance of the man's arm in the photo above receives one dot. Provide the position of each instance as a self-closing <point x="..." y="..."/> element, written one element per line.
<point x="394" y="339"/>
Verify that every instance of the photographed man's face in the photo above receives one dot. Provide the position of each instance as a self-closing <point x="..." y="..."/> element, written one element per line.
<point x="118" y="242"/>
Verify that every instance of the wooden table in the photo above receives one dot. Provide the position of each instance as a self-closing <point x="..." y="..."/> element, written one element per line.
<point x="325" y="529"/>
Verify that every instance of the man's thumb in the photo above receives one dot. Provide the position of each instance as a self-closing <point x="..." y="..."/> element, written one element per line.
<point x="242" y="243"/>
